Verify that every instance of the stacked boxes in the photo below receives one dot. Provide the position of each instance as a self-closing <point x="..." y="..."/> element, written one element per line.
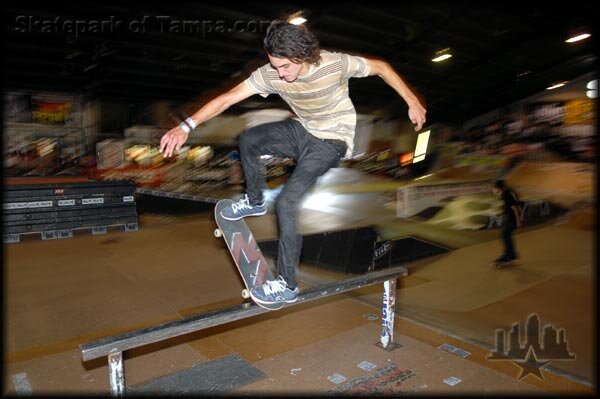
<point x="55" y="210"/>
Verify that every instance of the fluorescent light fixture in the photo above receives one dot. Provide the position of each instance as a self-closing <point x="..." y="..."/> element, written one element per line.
<point x="592" y="89"/>
<point x="556" y="86"/>
<point x="296" y="18"/>
<point x="297" y="21"/>
<point x="421" y="147"/>
<point x="90" y="67"/>
<point x="578" y="38"/>
<point x="72" y="55"/>
<point x="422" y="177"/>
<point x="441" y="57"/>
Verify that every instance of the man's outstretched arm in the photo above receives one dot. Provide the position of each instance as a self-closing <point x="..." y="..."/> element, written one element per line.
<point x="416" y="111"/>
<point x="174" y="138"/>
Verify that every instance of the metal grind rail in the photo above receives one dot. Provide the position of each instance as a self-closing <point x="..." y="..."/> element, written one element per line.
<point x="114" y="346"/>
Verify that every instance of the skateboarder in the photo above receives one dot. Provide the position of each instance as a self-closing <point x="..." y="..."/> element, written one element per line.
<point x="314" y="83"/>
<point x="511" y="219"/>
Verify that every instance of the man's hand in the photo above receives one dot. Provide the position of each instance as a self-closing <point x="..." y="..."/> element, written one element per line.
<point x="416" y="114"/>
<point x="172" y="140"/>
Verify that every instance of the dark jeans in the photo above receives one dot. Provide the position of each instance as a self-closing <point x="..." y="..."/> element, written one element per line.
<point x="314" y="157"/>
<point x="509" y="224"/>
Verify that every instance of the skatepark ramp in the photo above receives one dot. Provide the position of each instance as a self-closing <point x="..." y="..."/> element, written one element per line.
<point x="359" y="250"/>
<point x="114" y="346"/>
<point x="415" y="198"/>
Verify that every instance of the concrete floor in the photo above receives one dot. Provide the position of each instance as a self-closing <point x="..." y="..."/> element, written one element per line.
<point x="62" y="293"/>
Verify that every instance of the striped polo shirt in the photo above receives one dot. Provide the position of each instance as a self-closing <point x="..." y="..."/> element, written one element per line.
<point x="319" y="98"/>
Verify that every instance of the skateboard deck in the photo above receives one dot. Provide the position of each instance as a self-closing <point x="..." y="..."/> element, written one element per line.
<point x="246" y="254"/>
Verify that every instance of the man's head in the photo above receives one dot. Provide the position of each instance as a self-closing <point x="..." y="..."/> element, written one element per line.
<point x="498" y="187"/>
<point x="289" y="48"/>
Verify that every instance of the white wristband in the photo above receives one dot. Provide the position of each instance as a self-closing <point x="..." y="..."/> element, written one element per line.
<point x="185" y="127"/>
<point x="191" y="123"/>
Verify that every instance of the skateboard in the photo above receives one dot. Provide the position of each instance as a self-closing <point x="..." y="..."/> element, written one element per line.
<point x="246" y="254"/>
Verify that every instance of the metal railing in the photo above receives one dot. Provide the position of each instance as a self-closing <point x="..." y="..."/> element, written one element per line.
<point x="114" y="346"/>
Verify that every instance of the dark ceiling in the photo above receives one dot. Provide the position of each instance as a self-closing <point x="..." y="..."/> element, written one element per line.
<point x="501" y="54"/>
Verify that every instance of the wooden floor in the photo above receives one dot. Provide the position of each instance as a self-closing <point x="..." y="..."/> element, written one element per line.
<point x="61" y="293"/>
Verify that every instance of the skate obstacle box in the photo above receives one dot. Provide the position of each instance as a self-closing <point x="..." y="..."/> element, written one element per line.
<point x="346" y="251"/>
<point x="57" y="207"/>
<point x="358" y="250"/>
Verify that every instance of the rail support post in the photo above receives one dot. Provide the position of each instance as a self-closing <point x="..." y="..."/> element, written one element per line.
<point x="388" y="310"/>
<point x="116" y="374"/>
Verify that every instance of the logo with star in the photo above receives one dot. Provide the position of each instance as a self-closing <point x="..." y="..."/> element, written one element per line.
<point x="540" y="347"/>
<point x="530" y="365"/>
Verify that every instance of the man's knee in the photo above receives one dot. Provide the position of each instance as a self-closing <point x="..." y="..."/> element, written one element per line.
<point x="287" y="205"/>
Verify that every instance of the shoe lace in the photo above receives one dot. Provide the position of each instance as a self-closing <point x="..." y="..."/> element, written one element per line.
<point x="274" y="286"/>
<point x="243" y="203"/>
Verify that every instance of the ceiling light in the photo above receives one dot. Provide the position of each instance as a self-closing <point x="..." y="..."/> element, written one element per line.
<point x="297" y="18"/>
<point x="72" y="55"/>
<point x="422" y="177"/>
<point x="441" y="57"/>
<point x="578" y="38"/>
<point x="297" y="21"/>
<point x="592" y="87"/>
<point x="90" y="67"/>
<point x="556" y="86"/>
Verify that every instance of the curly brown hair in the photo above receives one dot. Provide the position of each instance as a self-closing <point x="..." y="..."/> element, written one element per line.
<point x="295" y="42"/>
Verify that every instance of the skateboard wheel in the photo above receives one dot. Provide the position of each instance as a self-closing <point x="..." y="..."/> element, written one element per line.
<point x="218" y="233"/>
<point x="245" y="294"/>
